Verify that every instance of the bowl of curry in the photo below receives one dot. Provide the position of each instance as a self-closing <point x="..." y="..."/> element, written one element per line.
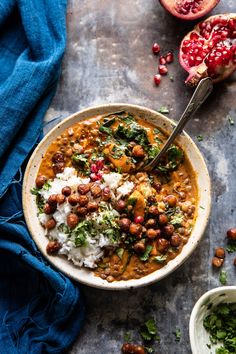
<point x="97" y="216"/>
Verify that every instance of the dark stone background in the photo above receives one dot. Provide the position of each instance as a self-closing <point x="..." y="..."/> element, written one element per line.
<point x="109" y="59"/>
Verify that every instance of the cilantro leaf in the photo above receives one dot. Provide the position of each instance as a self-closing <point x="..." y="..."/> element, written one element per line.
<point x="223" y="277"/>
<point x="163" y="109"/>
<point x="177" y="334"/>
<point x="160" y="259"/>
<point x="149" y="330"/>
<point x="145" y="256"/>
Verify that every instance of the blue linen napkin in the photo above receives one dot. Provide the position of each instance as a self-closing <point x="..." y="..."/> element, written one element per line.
<point x="41" y="310"/>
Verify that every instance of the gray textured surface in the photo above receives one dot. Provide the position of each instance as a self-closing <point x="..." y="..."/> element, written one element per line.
<point x="109" y="59"/>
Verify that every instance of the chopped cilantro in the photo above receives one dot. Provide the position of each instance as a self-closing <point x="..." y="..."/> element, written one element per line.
<point x="177" y="334"/>
<point x="64" y="228"/>
<point x="80" y="159"/>
<point x="221" y="324"/>
<point x="149" y="330"/>
<point x="160" y="259"/>
<point x="149" y="350"/>
<point x="163" y="109"/>
<point x="104" y="129"/>
<point x="200" y="138"/>
<point x="177" y="219"/>
<point x="145" y="256"/>
<point x="35" y="191"/>
<point x="127" y="337"/>
<point x="223" y="277"/>
<point x="202" y="207"/>
<point x="231" y="248"/>
<point x="153" y="151"/>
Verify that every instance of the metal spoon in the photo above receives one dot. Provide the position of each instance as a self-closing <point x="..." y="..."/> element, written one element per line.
<point x="202" y="91"/>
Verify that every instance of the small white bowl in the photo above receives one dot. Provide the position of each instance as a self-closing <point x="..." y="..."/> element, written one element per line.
<point x="84" y="275"/>
<point x="199" y="337"/>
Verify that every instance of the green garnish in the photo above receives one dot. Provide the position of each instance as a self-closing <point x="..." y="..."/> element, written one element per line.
<point x="106" y="130"/>
<point x="200" y="138"/>
<point x="163" y="109"/>
<point x="145" y="256"/>
<point x="223" y="277"/>
<point x="177" y="334"/>
<point x="120" y="252"/>
<point x="231" y="248"/>
<point x="177" y="219"/>
<point x="132" y="201"/>
<point x="221" y="324"/>
<point x="153" y="151"/>
<point x="231" y="120"/>
<point x="149" y="350"/>
<point x="160" y="259"/>
<point x="127" y="337"/>
<point x="149" y="330"/>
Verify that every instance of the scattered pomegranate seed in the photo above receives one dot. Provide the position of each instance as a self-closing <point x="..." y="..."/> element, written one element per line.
<point x="94" y="168"/>
<point x="100" y="164"/>
<point x="94" y="177"/>
<point x="138" y="219"/>
<point x="169" y="57"/>
<point x="157" y="79"/>
<point x="162" y="69"/>
<point x="162" y="60"/>
<point x="156" y="48"/>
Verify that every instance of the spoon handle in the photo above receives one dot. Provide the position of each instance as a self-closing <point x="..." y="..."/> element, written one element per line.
<point x="202" y="91"/>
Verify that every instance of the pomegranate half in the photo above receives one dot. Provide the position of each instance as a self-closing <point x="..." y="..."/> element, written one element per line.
<point x="189" y="9"/>
<point x="210" y="49"/>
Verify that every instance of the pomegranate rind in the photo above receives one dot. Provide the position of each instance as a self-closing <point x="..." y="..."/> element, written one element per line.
<point x="197" y="72"/>
<point x="206" y="7"/>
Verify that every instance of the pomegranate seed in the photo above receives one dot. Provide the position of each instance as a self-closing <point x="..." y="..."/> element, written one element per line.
<point x="94" y="177"/>
<point x="100" y="164"/>
<point x="94" y="168"/>
<point x="162" y="69"/>
<point x="162" y="60"/>
<point x="157" y="79"/>
<point x="138" y="219"/>
<point x="169" y="57"/>
<point x="156" y="48"/>
<point x="99" y="175"/>
<point x="194" y="36"/>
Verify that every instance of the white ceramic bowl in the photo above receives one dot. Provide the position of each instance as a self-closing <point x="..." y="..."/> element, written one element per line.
<point x="83" y="275"/>
<point x="199" y="337"/>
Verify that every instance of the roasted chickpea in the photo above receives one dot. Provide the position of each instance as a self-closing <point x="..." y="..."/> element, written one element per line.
<point x="175" y="240"/>
<point x="58" y="167"/>
<point x="129" y="348"/>
<point x="73" y="199"/>
<point x="49" y="209"/>
<point x="50" y="224"/>
<point x="83" y="200"/>
<point x="120" y="205"/>
<point x="231" y="234"/>
<point x="72" y="220"/>
<point x="168" y="230"/>
<point x="162" y="219"/>
<point x="150" y="223"/>
<point x="153" y="210"/>
<point x="52" y="200"/>
<point x="66" y="191"/>
<point x="171" y="200"/>
<point x="69" y="152"/>
<point x="217" y="262"/>
<point x="163" y="244"/>
<point x="82" y="211"/>
<point x="139" y="247"/>
<point x="135" y="229"/>
<point x="92" y="206"/>
<point x="83" y="188"/>
<point x="152" y="233"/>
<point x="53" y="247"/>
<point x="96" y="190"/>
<point x="138" y="151"/>
<point x="124" y="224"/>
<point x="58" y="157"/>
<point x="40" y="180"/>
<point x="220" y="252"/>
<point x="61" y="199"/>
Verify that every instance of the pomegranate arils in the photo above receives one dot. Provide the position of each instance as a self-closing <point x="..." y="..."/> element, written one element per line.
<point x="187" y="6"/>
<point x="156" y="48"/>
<point x="162" y="60"/>
<point x="157" y="79"/>
<point x="169" y="57"/>
<point x="139" y="219"/>
<point x="162" y="69"/>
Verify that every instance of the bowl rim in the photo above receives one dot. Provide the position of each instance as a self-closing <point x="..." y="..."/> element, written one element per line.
<point x="200" y="302"/>
<point x="152" y="277"/>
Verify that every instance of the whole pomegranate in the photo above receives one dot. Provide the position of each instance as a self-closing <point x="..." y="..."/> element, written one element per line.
<point x="210" y="49"/>
<point x="189" y="9"/>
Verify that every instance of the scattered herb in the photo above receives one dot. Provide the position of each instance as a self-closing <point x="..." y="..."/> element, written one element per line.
<point x="120" y="252"/>
<point x="223" y="277"/>
<point x="149" y="330"/>
<point x="35" y="191"/>
<point x="200" y="138"/>
<point x="202" y="207"/>
<point x="231" y="248"/>
<point x="231" y="120"/>
<point x="149" y="350"/>
<point x="177" y="334"/>
<point x="177" y="219"/>
<point x="80" y="159"/>
<point x="171" y="78"/>
<point x="106" y="130"/>
<point x="160" y="259"/>
<point x="221" y="324"/>
<point x="64" y="228"/>
<point x="163" y="109"/>
<point x="127" y="337"/>
<point x="153" y="151"/>
<point x="145" y="256"/>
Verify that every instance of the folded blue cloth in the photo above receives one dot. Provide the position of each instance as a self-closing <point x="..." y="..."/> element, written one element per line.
<point x="41" y="310"/>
